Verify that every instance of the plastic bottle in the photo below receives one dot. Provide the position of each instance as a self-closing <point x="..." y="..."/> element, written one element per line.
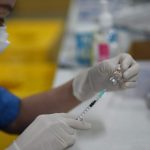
<point x="83" y="43"/>
<point x="101" y="49"/>
<point x="105" y="43"/>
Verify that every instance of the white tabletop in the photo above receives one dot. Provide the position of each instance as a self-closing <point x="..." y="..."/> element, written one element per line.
<point x="119" y="121"/>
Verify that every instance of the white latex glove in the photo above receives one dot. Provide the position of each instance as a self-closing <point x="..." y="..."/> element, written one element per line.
<point x="92" y="80"/>
<point x="49" y="132"/>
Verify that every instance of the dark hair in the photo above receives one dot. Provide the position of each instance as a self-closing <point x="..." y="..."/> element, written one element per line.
<point x="6" y="6"/>
<point x="1" y="22"/>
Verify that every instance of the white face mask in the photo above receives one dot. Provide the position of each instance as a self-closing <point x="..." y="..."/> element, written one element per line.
<point x="3" y="38"/>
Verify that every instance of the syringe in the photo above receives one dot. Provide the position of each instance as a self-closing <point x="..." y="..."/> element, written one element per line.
<point x="100" y="94"/>
<point x="116" y="79"/>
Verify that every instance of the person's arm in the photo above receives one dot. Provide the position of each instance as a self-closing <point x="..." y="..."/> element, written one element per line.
<point x="57" y="100"/>
<point x="81" y="88"/>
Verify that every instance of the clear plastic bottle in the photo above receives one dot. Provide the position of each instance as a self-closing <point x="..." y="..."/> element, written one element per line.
<point x="105" y="43"/>
<point x="101" y="49"/>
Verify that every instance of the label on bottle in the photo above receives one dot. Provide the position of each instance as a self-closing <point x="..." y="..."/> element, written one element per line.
<point x="83" y="48"/>
<point x="103" y="51"/>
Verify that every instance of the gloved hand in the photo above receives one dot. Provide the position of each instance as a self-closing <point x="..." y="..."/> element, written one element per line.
<point x="91" y="81"/>
<point x="55" y="132"/>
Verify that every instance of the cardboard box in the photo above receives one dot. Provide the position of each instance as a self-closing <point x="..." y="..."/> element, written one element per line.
<point x="140" y="50"/>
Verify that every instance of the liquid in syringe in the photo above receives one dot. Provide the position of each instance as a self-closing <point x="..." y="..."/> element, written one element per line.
<point x="100" y="94"/>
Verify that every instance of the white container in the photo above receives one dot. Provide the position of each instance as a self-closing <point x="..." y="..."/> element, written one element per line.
<point x="105" y="43"/>
<point x="101" y="49"/>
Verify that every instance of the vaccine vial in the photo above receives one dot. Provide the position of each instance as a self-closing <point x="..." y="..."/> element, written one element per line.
<point x="116" y="79"/>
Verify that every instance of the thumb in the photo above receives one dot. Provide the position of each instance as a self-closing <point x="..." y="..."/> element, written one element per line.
<point x="76" y="124"/>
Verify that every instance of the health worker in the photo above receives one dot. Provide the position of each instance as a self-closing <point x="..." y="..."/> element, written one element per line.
<point x="38" y="118"/>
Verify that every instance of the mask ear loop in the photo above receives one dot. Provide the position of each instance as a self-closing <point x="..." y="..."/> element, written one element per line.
<point x="3" y="38"/>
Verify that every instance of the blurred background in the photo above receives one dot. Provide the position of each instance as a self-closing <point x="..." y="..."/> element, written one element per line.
<point x="47" y="36"/>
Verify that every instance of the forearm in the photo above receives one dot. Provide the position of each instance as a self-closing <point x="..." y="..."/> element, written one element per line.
<point x="57" y="100"/>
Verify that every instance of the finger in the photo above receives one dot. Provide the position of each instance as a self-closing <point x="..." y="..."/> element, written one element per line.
<point x="129" y="85"/>
<point x="64" y="137"/>
<point x="67" y="115"/>
<point x="76" y="124"/>
<point x="57" y="115"/>
<point x="127" y="62"/>
<point x="131" y="72"/>
<point x="118" y="67"/>
<point x="71" y="141"/>
<point x="116" y="60"/>
<point x="67" y="127"/>
<point x="132" y="79"/>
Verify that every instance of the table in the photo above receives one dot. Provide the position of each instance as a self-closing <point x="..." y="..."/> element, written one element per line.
<point x="120" y="121"/>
